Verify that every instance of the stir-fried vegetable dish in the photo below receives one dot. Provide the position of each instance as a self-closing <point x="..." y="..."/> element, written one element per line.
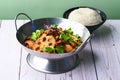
<point x="53" y="40"/>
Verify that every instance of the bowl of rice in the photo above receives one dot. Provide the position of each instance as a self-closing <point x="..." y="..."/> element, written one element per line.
<point x="91" y="17"/>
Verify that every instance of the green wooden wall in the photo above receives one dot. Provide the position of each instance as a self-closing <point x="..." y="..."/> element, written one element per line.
<point x="55" y="8"/>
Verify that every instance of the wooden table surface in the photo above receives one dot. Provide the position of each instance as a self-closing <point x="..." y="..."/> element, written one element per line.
<point x="100" y="59"/>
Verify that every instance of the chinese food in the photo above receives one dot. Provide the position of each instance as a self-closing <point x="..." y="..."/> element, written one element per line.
<point x="53" y="40"/>
<point x="86" y="16"/>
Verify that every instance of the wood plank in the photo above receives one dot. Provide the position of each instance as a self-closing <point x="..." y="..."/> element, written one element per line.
<point x="55" y="76"/>
<point x="10" y="51"/>
<point x="86" y="69"/>
<point x="106" y="48"/>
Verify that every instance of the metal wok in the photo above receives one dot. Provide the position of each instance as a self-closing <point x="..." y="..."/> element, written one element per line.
<point x="53" y="63"/>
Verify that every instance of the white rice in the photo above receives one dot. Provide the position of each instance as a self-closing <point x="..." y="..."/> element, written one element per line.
<point x="85" y="16"/>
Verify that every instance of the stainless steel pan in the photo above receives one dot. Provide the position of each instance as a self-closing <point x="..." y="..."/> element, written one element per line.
<point x="27" y="28"/>
<point x="52" y="63"/>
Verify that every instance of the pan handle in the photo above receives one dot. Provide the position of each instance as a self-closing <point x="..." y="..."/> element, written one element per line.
<point x="18" y="16"/>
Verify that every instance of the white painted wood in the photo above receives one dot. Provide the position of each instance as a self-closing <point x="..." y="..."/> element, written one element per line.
<point x="63" y="76"/>
<point x="55" y="76"/>
<point x="86" y="69"/>
<point x="9" y="51"/>
<point x="106" y="48"/>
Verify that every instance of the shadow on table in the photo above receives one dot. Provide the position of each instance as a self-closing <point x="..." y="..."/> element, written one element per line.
<point x="87" y="64"/>
<point x="87" y="57"/>
<point x="102" y="32"/>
